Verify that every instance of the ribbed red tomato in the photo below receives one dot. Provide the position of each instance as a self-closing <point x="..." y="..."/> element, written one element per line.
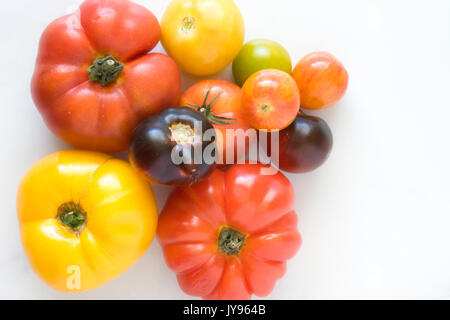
<point x="229" y="236"/>
<point x="94" y="81"/>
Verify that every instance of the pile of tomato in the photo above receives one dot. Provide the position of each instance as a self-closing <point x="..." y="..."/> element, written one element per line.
<point x="227" y="229"/>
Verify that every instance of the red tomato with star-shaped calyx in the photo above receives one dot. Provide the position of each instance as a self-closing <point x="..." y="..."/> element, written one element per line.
<point x="94" y="79"/>
<point x="225" y="99"/>
<point x="229" y="236"/>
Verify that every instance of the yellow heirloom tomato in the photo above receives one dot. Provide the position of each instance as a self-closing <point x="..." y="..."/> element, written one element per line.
<point x="202" y="36"/>
<point x="84" y="218"/>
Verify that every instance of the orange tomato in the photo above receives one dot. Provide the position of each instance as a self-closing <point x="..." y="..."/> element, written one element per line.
<point x="227" y="105"/>
<point x="321" y="79"/>
<point x="271" y="100"/>
<point x="229" y="236"/>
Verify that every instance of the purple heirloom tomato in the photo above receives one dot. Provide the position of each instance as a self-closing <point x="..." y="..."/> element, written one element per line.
<point x="163" y="147"/>
<point x="305" y="145"/>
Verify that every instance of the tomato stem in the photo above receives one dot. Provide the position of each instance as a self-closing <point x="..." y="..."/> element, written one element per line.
<point x="231" y="241"/>
<point x="105" y="70"/>
<point x="205" y="109"/>
<point x="301" y="113"/>
<point x="72" y="216"/>
<point x="188" y="24"/>
<point x="265" y="107"/>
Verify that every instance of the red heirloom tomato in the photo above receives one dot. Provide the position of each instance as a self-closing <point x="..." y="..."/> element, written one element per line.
<point x="271" y="100"/>
<point x="321" y="79"/>
<point x="229" y="236"/>
<point x="94" y="80"/>
<point x="227" y="105"/>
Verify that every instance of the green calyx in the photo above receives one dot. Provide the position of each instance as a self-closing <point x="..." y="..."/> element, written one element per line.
<point x="205" y="109"/>
<point x="231" y="241"/>
<point x="72" y="216"/>
<point x="105" y="70"/>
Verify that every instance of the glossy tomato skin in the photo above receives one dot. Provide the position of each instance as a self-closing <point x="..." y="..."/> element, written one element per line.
<point x="84" y="113"/>
<point x="305" y="145"/>
<point x="257" y="55"/>
<point x="115" y="200"/>
<point x="227" y="105"/>
<point x="153" y="142"/>
<point x="271" y="100"/>
<point x="321" y="79"/>
<point x="202" y="36"/>
<point x="259" y="206"/>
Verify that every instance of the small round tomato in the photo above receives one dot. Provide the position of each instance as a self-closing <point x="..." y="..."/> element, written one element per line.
<point x="227" y="105"/>
<point x="321" y="79"/>
<point x="303" y="146"/>
<point x="202" y="36"/>
<point x="258" y="55"/>
<point x="271" y="100"/>
<point x="170" y="148"/>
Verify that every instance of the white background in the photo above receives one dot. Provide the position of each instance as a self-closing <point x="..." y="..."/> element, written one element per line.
<point x="375" y="219"/>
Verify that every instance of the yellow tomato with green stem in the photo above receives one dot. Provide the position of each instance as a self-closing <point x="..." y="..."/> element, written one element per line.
<point x="202" y="36"/>
<point x="84" y="219"/>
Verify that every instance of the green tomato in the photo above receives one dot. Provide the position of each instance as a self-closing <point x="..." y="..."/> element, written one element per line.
<point x="258" y="55"/>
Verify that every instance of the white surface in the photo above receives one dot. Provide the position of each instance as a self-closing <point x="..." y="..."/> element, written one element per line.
<point x="375" y="219"/>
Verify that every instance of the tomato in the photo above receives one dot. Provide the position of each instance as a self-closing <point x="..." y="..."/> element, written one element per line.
<point x="321" y="79"/>
<point x="94" y="81"/>
<point x="163" y="147"/>
<point x="271" y="100"/>
<point x="228" y="105"/>
<point x="84" y="219"/>
<point x="258" y="55"/>
<point x="202" y="36"/>
<point x="229" y="236"/>
<point x="303" y="146"/>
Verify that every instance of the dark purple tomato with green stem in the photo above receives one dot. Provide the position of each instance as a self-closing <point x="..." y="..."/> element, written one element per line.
<point x="169" y="148"/>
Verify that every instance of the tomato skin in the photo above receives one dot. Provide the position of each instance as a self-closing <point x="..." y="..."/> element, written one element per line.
<point x="121" y="216"/>
<point x="202" y="36"/>
<point x="321" y="79"/>
<point x="303" y="146"/>
<point x="257" y="55"/>
<point x="84" y="113"/>
<point x="227" y="105"/>
<point x="193" y="217"/>
<point x="271" y="100"/>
